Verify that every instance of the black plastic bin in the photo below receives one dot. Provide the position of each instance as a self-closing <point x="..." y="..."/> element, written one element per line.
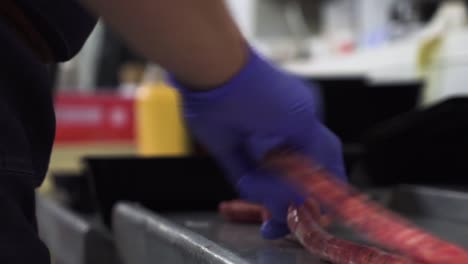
<point x="161" y="184"/>
<point x="353" y="105"/>
<point x="425" y="146"/>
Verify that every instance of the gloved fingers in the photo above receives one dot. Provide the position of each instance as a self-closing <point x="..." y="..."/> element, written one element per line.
<point x="314" y="141"/>
<point x="258" y="146"/>
<point x="234" y="165"/>
<point x="272" y="229"/>
<point x="273" y="192"/>
<point x="322" y="146"/>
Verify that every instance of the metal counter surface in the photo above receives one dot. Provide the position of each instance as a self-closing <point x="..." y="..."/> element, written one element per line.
<point x="245" y="241"/>
<point x="205" y="238"/>
<point x="145" y="237"/>
<point x="186" y="233"/>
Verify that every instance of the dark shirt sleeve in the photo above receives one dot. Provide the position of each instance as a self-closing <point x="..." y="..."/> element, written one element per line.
<point x="65" y="24"/>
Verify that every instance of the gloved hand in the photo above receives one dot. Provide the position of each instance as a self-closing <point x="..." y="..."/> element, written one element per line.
<point x="259" y="109"/>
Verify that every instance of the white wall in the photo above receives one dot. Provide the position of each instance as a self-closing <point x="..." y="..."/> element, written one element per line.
<point x="243" y="12"/>
<point x="373" y="19"/>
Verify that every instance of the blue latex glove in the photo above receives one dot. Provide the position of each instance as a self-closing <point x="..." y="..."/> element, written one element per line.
<point x="257" y="110"/>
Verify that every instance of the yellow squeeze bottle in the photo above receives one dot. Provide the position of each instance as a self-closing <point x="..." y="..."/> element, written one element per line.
<point x="159" y="122"/>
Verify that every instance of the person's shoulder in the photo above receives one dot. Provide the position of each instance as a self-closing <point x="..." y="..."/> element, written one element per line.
<point x="65" y="24"/>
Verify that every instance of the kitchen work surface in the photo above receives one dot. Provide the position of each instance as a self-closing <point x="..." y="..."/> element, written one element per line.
<point x="145" y="237"/>
<point x="73" y="238"/>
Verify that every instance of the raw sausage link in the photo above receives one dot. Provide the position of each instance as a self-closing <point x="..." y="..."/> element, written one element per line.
<point x="332" y="249"/>
<point x="368" y="218"/>
<point x="241" y="211"/>
<point x="303" y="225"/>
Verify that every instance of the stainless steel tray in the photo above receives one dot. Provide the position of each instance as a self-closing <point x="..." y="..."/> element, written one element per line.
<point x="146" y="237"/>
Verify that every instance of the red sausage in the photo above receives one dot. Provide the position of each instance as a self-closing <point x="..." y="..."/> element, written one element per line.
<point x="335" y="250"/>
<point x="246" y="212"/>
<point x="241" y="211"/>
<point x="368" y="218"/>
<point x="303" y="223"/>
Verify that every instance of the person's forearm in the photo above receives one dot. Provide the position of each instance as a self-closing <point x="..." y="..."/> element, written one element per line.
<point x="195" y="40"/>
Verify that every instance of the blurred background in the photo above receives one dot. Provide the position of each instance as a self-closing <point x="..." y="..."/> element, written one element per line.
<point x="373" y="61"/>
<point x="393" y="75"/>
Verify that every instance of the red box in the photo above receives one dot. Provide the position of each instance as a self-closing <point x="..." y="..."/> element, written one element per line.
<point x="94" y="118"/>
